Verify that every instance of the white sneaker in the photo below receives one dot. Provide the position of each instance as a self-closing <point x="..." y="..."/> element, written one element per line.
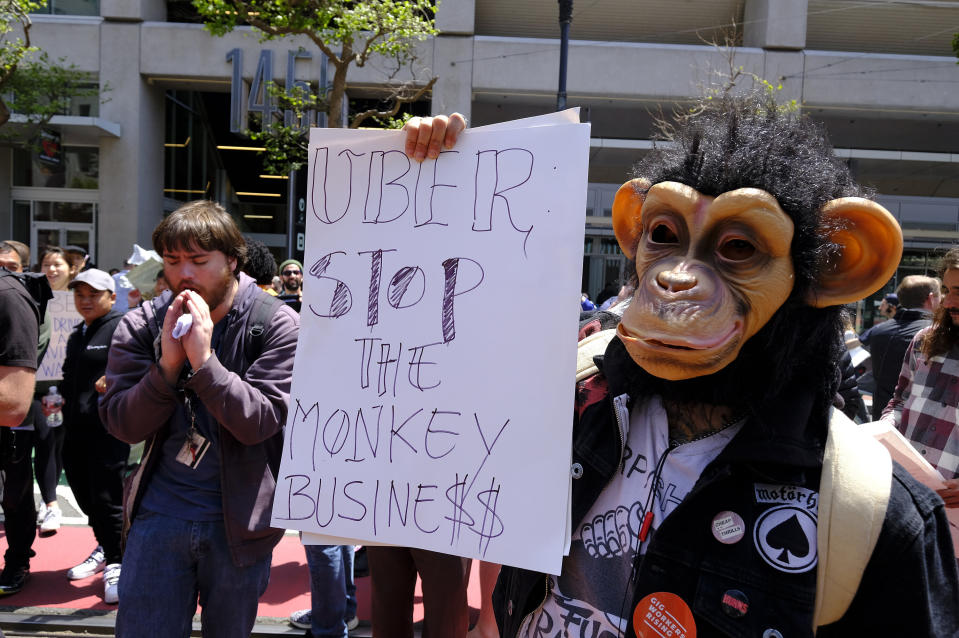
<point x="41" y="512"/>
<point x="111" y="578"/>
<point x="51" y="522"/>
<point x="303" y="619"/>
<point x="93" y="563"/>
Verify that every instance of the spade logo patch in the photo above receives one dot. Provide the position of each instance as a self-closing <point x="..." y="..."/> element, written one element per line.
<point x="785" y="537"/>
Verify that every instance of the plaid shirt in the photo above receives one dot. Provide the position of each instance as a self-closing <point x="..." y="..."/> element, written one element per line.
<point x="925" y="406"/>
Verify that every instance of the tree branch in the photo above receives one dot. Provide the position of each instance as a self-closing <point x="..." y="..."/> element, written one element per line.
<point x="399" y="99"/>
<point x="363" y="56"/>
<point x="270" y="29"/>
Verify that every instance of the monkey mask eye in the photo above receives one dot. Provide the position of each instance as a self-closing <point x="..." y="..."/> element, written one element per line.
<point x="736" y="249"/>
<point x="663" y="234"/>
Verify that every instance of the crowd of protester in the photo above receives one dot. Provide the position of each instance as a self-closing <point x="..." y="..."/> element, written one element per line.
<point x="97" y="459"/>
<point x="127" y="379"/>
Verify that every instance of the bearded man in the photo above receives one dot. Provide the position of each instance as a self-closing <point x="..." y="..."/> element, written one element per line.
<point x="210" y="402"/>
<point x="291" y="272"/>
<point x="924" y="405"/>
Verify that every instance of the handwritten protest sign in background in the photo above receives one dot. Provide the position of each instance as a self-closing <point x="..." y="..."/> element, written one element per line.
<point x="63" y="318"/>
<point x="432" y="392"/>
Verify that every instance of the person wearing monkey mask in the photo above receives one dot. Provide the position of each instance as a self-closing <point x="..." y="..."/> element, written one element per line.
<point x="698" y="445"/>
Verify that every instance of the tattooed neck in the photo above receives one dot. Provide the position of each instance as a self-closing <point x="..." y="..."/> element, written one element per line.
<point x="689" y="421"/>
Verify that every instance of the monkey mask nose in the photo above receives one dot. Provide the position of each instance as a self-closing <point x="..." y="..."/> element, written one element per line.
<point x="676" y="280"/>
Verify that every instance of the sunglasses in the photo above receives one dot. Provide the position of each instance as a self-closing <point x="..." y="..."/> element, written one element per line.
<point x="288" y="273"/>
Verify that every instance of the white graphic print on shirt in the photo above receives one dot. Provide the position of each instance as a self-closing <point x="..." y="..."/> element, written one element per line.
<point x="590" y="597"/>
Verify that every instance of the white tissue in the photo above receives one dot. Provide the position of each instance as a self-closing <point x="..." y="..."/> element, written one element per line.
<point x="183" y="325"/>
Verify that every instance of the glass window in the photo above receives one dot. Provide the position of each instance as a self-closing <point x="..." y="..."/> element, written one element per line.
<point x="599" y="200"/>
<point x="611" y="247"/>
<point x="86" y="105"/>
<point x="260" y="218"/>
<point x="606" y="199"/>
<point x="79" y="238"/>
<point x="71" y="7"/>
<point x="919" y="262"/>
<point x="47" y="237"/>
<point x="21" y="221"/>
<point x="79" y="167"/>
<point x="63" y="212"/>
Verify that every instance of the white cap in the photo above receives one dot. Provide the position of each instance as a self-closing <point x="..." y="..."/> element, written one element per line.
<point x="96" y="279"/>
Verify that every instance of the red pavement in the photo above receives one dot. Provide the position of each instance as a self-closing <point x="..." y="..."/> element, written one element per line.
<point x="289" y="588"/>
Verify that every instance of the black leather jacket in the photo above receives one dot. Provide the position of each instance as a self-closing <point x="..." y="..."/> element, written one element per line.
<point x="909" y="587"/>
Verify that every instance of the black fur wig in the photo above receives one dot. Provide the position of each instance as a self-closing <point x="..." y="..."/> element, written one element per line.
<point x="750" y="142"/>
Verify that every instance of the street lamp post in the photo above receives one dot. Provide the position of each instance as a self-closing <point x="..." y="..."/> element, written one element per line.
<point x="565" y="17"/>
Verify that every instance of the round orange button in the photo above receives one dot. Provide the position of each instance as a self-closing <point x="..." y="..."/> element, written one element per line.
<point x="663" y="615"/>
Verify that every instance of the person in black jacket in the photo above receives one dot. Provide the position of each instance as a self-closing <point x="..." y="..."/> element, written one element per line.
<point x="887" y="342"/>
<point x="699" y="442"/>
<point x="93" y="460"/>
<point x="852" y="405"/>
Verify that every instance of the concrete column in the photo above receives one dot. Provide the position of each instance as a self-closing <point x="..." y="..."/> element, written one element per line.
<point x="131" y="166"/>
<point x="453" y="57"/>
<point x="453" y="64"/>
<point x="775" y="24"/>
<point x="456" y="17"/>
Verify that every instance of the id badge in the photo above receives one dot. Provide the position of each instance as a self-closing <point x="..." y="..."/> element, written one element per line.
<point x="193" y="450"/>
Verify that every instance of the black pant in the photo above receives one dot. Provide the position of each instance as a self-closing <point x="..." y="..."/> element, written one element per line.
<point x="49" y="444"/>
<point x="94" y="463"/>
<point x="19" y="511"/>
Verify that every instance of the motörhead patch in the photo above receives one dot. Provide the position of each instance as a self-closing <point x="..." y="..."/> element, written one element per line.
<point x="785" y="534"/>
<point x="787" y="495"/>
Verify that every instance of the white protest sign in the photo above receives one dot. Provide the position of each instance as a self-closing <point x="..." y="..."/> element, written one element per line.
<point x="63" y="318"/>
<point x="432" y="394"/>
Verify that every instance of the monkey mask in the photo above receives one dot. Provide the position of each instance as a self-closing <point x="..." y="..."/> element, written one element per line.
<point x="713" y="270"/>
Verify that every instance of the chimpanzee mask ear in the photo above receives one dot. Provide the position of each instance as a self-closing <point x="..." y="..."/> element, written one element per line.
<point x="871" y="247"/>
<point x="627" y="214"/>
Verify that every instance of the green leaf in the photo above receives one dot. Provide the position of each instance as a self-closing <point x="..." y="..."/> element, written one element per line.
<point x="350" y="32"/>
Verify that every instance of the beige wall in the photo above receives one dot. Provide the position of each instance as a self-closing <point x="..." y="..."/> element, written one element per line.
<point x="139" y="56"/>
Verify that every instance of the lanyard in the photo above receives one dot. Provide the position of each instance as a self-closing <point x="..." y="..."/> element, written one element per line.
<point x="189" y="397"/>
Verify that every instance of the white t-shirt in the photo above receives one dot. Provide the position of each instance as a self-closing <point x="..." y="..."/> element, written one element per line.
<point x="591" y="596"/>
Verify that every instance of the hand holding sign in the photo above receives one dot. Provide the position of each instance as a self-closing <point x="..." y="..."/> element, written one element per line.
<point x="420" y="415"/>
<point x="426" y="137"/>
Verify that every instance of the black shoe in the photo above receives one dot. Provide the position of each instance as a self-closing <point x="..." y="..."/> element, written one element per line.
<point x="13" y="578"/>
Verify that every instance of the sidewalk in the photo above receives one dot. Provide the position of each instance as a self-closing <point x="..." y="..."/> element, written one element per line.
<point x="51" y="603"/>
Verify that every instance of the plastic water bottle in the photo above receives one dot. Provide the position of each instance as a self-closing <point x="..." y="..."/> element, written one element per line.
<point x="53" y="401"/>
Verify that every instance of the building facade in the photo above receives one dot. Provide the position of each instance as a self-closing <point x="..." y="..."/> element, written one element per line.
<point x="880" y="75"/>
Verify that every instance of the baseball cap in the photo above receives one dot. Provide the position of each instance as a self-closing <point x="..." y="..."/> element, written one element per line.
<point x="96" y="279"/>
<point x="892" y="298"/>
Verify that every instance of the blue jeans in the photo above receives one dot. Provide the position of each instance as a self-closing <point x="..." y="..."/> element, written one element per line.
<point x="168" y="563"/>
<point x="332" y="591"/>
